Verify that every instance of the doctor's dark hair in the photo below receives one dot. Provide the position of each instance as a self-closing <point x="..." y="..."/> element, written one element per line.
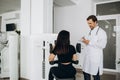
<point x="62" y="43"/>
<point x="93" y="17"/>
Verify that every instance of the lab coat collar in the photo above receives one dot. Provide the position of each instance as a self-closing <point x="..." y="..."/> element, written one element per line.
<point x="95" y="28"/>
<point x="94" y="31"/>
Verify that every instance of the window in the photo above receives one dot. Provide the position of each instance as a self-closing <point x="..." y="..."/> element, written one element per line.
<point x="108" y="8"/>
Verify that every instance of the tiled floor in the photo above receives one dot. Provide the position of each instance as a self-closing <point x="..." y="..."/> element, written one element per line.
<point x="105" y="76"/>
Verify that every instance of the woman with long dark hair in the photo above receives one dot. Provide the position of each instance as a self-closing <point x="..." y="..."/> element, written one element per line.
<point x="66" y="54"/>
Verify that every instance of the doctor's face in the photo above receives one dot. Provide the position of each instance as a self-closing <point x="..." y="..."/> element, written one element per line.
<point x="91" y="23"/>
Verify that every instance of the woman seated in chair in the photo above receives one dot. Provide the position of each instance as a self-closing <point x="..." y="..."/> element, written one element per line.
<point x="66" y="53"/>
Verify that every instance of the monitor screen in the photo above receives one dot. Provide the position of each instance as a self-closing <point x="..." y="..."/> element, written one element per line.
<point x="10" y="27"/>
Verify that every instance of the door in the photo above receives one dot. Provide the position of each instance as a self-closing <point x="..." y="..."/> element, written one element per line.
<point x="108" y="23"/>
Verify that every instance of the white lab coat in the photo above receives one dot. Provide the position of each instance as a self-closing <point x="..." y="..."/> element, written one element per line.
<point x="93" y="52"/>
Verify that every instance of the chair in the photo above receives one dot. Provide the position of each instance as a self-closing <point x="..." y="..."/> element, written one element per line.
<point x="54" y="62"/>
<point x="65" y="78"/>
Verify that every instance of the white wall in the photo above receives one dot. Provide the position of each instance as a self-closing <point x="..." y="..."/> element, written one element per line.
<point x="73" y="19"/>
<point x="25" y="32"/>
<point x="34" y="21"/>
<point x="48" y="16"/>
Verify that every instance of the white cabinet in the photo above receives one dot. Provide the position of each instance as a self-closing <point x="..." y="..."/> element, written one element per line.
<point x="3" y="50"/>
<point x="0" y="64"/>
<point x="4" y="63"/>
<point x="0" y="53"/>
<point x="9" y="58"/>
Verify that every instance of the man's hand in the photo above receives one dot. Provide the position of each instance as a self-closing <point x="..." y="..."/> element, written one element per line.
<point x="85" y="41"/>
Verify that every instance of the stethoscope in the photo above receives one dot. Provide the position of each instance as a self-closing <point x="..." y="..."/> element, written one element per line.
<point x="96" y="31"/>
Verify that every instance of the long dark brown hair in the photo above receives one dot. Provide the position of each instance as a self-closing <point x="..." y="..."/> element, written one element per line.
<point x="62" y="43"/>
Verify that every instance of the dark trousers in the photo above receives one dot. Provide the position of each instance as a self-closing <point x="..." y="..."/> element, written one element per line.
<point x="62" y="71"/>
<point x="88" y="76"/>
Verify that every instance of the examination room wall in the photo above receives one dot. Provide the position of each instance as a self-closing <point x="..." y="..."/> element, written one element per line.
<point x="73" y="19"/>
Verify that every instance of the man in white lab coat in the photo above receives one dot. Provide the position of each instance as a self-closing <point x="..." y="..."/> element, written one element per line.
<point x="95" y="43"/>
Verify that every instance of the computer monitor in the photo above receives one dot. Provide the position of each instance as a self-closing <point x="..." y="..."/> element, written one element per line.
<point x="10" y="27"/>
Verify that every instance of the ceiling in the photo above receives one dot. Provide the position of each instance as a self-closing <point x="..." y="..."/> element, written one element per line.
<point x="9" y="5"/>
<point x="62" y="3"/>
<point x="12" y="5"/>
<point x="101" y="0"/>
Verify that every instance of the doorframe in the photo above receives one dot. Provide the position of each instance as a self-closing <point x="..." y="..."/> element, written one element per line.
<point x="117" y="17"/>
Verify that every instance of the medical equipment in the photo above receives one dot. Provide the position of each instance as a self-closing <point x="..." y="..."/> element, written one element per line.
<point x="39" y="53"/>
